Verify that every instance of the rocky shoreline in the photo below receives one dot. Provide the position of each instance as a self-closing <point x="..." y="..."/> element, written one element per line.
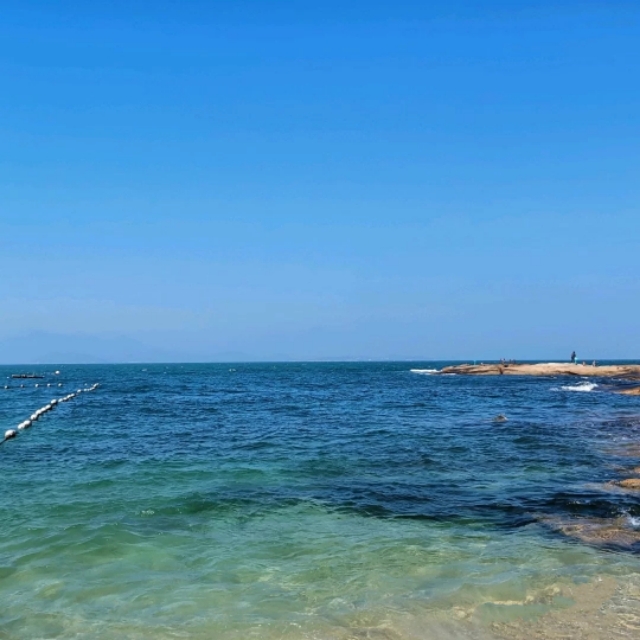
<point x="629" y="371"/>
<point x="617" y="532"/>
<point x="621" y="532"/>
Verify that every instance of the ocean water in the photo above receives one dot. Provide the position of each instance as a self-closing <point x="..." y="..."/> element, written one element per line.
<point x="317" y="501"/>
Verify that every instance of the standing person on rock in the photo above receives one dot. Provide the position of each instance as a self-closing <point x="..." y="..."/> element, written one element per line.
<point x="573" y="357"/>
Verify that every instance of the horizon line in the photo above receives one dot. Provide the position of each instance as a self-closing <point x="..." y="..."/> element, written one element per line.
<point x="311" y="361"/>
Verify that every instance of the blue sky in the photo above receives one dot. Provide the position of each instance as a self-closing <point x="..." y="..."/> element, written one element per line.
<point x="297" y="180"/>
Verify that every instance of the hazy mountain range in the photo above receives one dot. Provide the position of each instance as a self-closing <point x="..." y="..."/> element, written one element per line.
<point x="80" y="348"/>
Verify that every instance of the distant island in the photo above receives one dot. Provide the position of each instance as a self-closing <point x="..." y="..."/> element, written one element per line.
<point x="546" y="369"/>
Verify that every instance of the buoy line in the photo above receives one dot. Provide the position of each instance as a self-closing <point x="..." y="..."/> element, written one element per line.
<point x="36" y="385"/>
<point x="35" y="416"/>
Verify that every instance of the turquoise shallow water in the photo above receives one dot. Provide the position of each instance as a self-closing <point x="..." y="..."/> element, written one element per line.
<point x="309" y="501"/>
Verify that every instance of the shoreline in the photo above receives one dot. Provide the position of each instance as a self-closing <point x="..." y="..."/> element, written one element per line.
<point x="631" y="371"/>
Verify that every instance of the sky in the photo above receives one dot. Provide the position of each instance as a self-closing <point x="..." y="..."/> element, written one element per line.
<point x="206" y="181"/>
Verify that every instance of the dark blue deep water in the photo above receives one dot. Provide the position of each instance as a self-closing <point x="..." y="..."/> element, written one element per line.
<point x="333" y="500"/>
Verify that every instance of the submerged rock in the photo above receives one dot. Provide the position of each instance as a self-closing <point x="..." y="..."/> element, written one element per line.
<point x="625" y="450"/>
<point x="634" y="391"/>
<point x="615" y="532"/>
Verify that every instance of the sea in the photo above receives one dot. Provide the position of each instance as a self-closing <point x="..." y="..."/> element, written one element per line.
<point x="324" y="501"/>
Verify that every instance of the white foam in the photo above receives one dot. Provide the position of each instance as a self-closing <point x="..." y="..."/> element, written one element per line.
<point x="425" y="371"/>
<point x="582" y="386"/>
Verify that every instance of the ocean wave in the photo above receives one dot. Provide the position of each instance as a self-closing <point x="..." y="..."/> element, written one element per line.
<point x="632" y="521"/>
<point x="425" y="371"/>
<point x="582" y="386"/>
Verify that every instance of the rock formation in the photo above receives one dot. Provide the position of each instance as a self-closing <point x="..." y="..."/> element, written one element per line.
<point x="631" y="371"/>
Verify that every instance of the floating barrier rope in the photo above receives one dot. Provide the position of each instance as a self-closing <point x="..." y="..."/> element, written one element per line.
<point x="36" y="385"/>
<point x="35" y="416"/>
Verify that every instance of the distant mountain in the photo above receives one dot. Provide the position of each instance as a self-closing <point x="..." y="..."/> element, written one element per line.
<point x="81" y="348"/>
<point x="54" y="348"/>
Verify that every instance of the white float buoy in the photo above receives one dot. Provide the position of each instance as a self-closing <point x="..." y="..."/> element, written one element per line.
<point x="11" y="433"/>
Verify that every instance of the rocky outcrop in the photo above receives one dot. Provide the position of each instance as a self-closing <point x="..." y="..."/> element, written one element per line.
<point x="629" y="483"/>
<point x="631" y="371"/>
